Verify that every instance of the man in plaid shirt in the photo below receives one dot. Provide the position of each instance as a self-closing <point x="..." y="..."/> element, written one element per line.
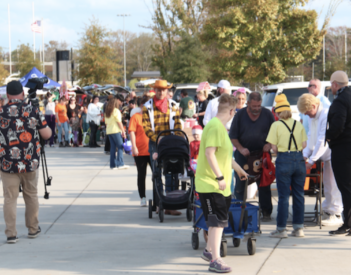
<point x="159" y="114"/>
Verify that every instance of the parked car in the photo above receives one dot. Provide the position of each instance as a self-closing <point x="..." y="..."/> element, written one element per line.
<point x="292" y="91"/>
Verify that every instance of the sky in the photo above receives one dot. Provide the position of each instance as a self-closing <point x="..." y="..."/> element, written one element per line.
<point x="64" y="20"/>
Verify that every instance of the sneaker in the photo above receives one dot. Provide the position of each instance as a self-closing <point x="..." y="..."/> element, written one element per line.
<point x="67" y="144"/>
<point x="297" y="233"/>
<point x="143" y="202"/>
<point x="107" y="152"/>
<point x="52" y="145"/>
<point x="12" y="240"/>
<point x="61" y="145"/>
<point x="279" y="234"/>
<point x="207" y="256"/>
<point x="219" y="266"/>
<point x="34" y="235"/>
<point x="343" y="230"/>
<point x="332" y="220"/>
<point x="114" y="168"/>
<point x="123" y="167"/>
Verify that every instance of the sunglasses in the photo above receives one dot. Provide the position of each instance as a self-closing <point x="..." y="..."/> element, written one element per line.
<point x="309" y="86"/>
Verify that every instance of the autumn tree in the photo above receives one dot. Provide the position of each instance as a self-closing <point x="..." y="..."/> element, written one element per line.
<point x="260" y="40"/>
<point x="95" y="57"/>
<point x="26" y="60"/>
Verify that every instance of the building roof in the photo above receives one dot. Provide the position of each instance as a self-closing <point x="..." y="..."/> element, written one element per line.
<point x="150" y="74"/>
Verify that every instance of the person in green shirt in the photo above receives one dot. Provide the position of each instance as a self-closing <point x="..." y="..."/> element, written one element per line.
<point x="186" y="105"/>
<point x="213" y="178"/>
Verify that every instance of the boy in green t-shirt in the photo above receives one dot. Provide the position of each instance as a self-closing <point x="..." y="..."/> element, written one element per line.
<point x="213" y="178"/>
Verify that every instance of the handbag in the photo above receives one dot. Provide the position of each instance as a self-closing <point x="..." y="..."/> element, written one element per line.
<point x="268" y="170"/>
<point x="127" y="146"/>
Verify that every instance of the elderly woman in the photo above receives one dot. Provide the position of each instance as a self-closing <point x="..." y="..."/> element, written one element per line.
<point x="202" y="94"/>
<point x="213" y="175"/>
<point x="288" y="138"/>
<point x="93" y="118"/>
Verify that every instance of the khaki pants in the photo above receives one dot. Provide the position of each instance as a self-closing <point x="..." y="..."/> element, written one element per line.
<point x="29" y="183"/>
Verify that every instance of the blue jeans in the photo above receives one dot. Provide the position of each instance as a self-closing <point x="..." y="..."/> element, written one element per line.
<point x="264" y="193"/>
<point x="290" y="172"/>
<point x="65" y="126"/>
<point x="169" y="187"/>
<point x="116" y="142"/>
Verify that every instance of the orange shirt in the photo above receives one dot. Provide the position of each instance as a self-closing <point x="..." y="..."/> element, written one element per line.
<point x="62" y="112"/>
<point x="141" y="140"/>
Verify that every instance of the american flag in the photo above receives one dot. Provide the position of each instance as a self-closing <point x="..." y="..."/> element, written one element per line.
<point x="36" y="26"/>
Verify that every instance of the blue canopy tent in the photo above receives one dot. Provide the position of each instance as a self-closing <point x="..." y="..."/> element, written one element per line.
<point x="34" y="73"/>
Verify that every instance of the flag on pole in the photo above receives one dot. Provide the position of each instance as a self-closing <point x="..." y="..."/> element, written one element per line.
<point x="36" y="26"/>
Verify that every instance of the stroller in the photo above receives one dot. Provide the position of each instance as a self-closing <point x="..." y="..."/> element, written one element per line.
<point x="173" y="159"/>
<point x="243" y="222"/>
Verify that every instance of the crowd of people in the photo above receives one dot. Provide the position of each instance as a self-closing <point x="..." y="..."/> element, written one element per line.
<point x="227" y="135"/>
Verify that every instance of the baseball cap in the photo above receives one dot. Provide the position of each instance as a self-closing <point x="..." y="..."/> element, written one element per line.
<point x="340" y="77"/>
<point x="14" y="88"/>
<point x="224" y="84"/>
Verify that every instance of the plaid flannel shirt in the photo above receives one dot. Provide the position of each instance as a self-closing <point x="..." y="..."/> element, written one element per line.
<point x="161" y="122"/>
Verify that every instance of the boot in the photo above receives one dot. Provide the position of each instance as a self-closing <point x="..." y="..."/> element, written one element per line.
<point x="61" y="144"/>
<point x="67" y="144"/>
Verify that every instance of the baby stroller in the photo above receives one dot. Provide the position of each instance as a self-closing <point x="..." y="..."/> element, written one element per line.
<point x="243" y="222"/>
<point x="173" y="160"/>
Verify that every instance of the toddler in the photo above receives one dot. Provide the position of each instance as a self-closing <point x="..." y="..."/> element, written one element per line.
<point x="75" y="125"/>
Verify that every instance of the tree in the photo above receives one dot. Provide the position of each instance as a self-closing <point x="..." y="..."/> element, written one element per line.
<point x="3" y="72"/>
<point x="95" y="57"/>
<point x="169" y="19"/>
<point x="259" y="40"/>
<point x="188" y="62"/>
<point x="26" y="60"/>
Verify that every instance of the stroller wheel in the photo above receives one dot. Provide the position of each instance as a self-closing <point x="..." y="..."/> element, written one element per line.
<point x="150" y="209"/>
<point x="161" y="213"/>
<point x="189" y="213"/>
<point x="251" y="246"/>
<point x="195" y="240"/>
<point x="236" y="242"/>
<point x="224" y="247"/>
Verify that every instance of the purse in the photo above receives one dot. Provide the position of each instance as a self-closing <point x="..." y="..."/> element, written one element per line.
<point x="268" y="170"/>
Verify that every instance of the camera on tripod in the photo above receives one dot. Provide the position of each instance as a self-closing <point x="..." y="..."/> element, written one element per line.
<point x="35" y="84"/>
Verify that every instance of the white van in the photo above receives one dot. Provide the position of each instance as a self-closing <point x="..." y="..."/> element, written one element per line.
<point x="292" y="91"/>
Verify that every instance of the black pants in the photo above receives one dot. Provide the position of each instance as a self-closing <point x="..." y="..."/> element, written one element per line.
<point x="264" y="193"/>
<point x="93" y="131"/>
<point x="107" y="144"/>
<point x="341" y="163"/>
<point x="141" y="163"/>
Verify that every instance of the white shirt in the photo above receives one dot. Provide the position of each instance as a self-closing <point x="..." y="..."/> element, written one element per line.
<point x="211" y="112"/>
<point x="93" y="114"/>
<point x="316" y="148"/>
<point x="50" y="108"/>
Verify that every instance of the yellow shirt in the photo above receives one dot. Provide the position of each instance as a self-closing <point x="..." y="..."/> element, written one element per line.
<point x="279" y="135"/>
<point x="111" y="122"/>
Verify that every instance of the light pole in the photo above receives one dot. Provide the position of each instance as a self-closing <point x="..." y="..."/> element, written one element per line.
<point x="124" y="48"/>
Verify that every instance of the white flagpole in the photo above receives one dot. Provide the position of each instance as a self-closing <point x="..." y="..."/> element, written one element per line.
<point x="42" y="41"/>
<point x="33" y="32"/>
<point x="8" y="9"/>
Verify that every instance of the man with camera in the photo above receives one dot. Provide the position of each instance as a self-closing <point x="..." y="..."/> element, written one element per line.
<point x="21" y="126"/>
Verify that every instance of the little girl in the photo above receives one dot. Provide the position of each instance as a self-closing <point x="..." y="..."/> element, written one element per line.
<point x="75" y="125"/>
<point x="195" y="144"/>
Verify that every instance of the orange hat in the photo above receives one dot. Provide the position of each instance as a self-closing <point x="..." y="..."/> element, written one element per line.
<point x="161" y="84"/>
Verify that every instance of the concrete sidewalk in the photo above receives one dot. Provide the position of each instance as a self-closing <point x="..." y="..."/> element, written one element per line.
<point x="93" y="224"/>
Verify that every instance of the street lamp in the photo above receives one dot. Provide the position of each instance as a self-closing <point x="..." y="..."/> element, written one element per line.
<point x="124" y="40"/>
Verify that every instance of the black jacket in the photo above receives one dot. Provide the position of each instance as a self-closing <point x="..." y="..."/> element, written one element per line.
<point x="339" y="119"/>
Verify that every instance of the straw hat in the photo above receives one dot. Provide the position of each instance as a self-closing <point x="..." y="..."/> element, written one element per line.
<point x="161" y="84"/>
